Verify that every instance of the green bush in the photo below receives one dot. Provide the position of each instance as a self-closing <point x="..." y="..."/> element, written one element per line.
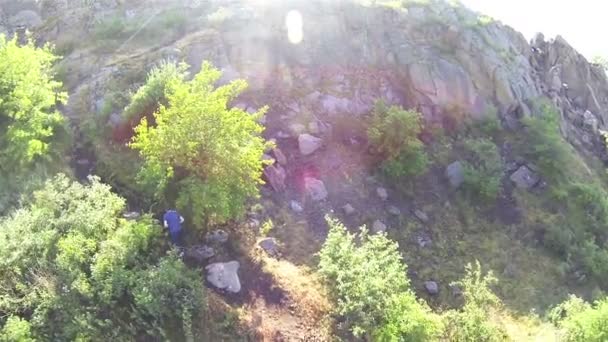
<point x="72" y="269"/>
<point x="393" y="132"/>
<point x="198" y="147"/>
<point x="154" y="92"/>
<point x="579" y="321"/>
<point x="367" y="282"/>
<point x="482" y="169"/>
<point x="472" y="322"/>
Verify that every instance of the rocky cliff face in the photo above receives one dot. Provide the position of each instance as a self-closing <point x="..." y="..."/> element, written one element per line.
<point x="435" y="56"/>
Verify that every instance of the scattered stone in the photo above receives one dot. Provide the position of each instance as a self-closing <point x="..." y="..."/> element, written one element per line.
<point x="200" y="252"/>
<point x="270" y="246"/>
<point x="313" y="127"/>
<point x="382" y="193"/>
<point x="276" y="175"/>
<point x="525" y="178"/>
<point x="217" y="236"/>
<point x="297" y="129"/>
<point x="131" y="215"/>
<point x="253" y="223"/>
<point x="308" y="144"/>
<point x="315" y="189"/>
<point x="455" y="174"/>
<point x="378" y="227"/>
<point x="456" y="290"/>
<point x="348" y="209"/>
<point x="224" y="276"/>
<point x="423" y="239"/>
<point x="393" y="210"/>
<point x="431" y="287"/>
<point x="590" y="122"/>
<point x="421" y="215"/>
<point x="296" y="206"/>
<point x="279" y="156"/>
<point x="282" y="135"/>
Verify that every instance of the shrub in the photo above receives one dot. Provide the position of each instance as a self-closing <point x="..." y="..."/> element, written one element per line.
<point x="483" y="169"/>
<point x="368" y="284"/>
<point x="472" y="322"/>
<point x="75" y="270"/>
<point x="197" y="147"/>
<point x="581" y="322"/>
<point x="394" y="132"/>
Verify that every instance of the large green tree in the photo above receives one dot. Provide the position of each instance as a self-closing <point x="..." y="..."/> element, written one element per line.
<point x="29" y="120"/>
<point x="367" y="281"/>
<point x="72" y="269"/>
<point x="201" y="149"/>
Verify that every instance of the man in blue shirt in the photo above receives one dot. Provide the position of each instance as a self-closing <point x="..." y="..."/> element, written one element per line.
<point x="173" y="222"/>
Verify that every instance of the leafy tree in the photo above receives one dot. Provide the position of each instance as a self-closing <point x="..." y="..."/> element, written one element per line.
<point x="580" y="321"/>
<point x="72" y="269"/>
<point x="394" y="132"/>
<point x="368" y="284"/>
<point x="472" y="323"/>
<point x="29" y="121"/>
<point x="207" y="153"/>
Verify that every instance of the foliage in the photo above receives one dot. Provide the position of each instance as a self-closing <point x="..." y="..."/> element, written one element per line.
<point x="32" y="131"/>
<point x="16" y="329"/>
<point x="267" y="227"/>
<point x="394" y="132"/>
<point x="368" y="284"/>
<point x="472" y="322"/>
<point x="75" y="270"/>
<point x="579" y="321"/>
<point x="483" y="169"/>
<point x="154" y="92"/>
<point x="207" y="153"/>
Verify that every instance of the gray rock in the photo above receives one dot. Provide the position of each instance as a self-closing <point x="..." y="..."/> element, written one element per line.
<point x="279" y="156"/>
<point x="423" y="239"/>
<point x="421" y="215"/>
<point x="308" y="144"/>
<point x="296" y="129"/>
<point x="131" y="215"/>
<point x="276" y="175"/>
<point x="431" y="287"/>
<point x="393" y="210"/>
<point x="282" y="135"/>
<point x="26" y="18"/>
<point x="224" y="276"/>
<point x="378" y="227"/>
<point x="296" y="206"/>
<point x="455" y="174"/>
<point x="382" y="193"/>
<point x="525" y="178"/>
<point x="590" y="122"/>
<point x="315" y="189"/>
<point x="348" y="209"/>
<point x="270" y="246"/>
<point x="200" y="253"/>
<point x="456" y="290"/>
<point x="217" y="236"/>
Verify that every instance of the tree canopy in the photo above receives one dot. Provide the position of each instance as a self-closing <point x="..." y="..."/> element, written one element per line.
<point x="73" y="269"/>
<point x="198" y="147"/>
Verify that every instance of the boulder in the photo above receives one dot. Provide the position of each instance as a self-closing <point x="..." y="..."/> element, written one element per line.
<point x="25" y="18"/>
<point x="276" y="175"/>
<point x="279" y="156"/>
<point x="270" y="246"/>
<point x="393" y="210"/>
<point x="217" y="236"/>
<point x="455" y="174"/>
<point x="525" y="178"/>
<point x="590" y="122"/>
<point x="309" y="144"/>
<point x="315" y="189"/>
<point x="224" y="276"/>
<point x="378" y="227"/>
<point x="200" y="253"/>
<point x="431" y="287"/>
<point x="348" y="209"/>
<point x="296" y="207"/>
<point x="296" y="129"/>
<point x="382" y="193"/>
<point x="421" y="215"/>
<point x="131" y="215"/>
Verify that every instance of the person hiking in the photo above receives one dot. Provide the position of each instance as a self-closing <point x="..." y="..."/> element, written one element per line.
<point x="173" y="222"/>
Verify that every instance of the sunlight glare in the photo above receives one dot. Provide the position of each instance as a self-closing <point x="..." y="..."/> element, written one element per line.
<point x="294" y="22"/>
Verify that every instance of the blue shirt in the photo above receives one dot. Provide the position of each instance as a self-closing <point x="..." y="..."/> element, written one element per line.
<point x="173" y="220"/>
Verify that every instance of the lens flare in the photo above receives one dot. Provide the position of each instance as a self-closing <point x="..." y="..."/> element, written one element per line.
<point x="294" y="24"/>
